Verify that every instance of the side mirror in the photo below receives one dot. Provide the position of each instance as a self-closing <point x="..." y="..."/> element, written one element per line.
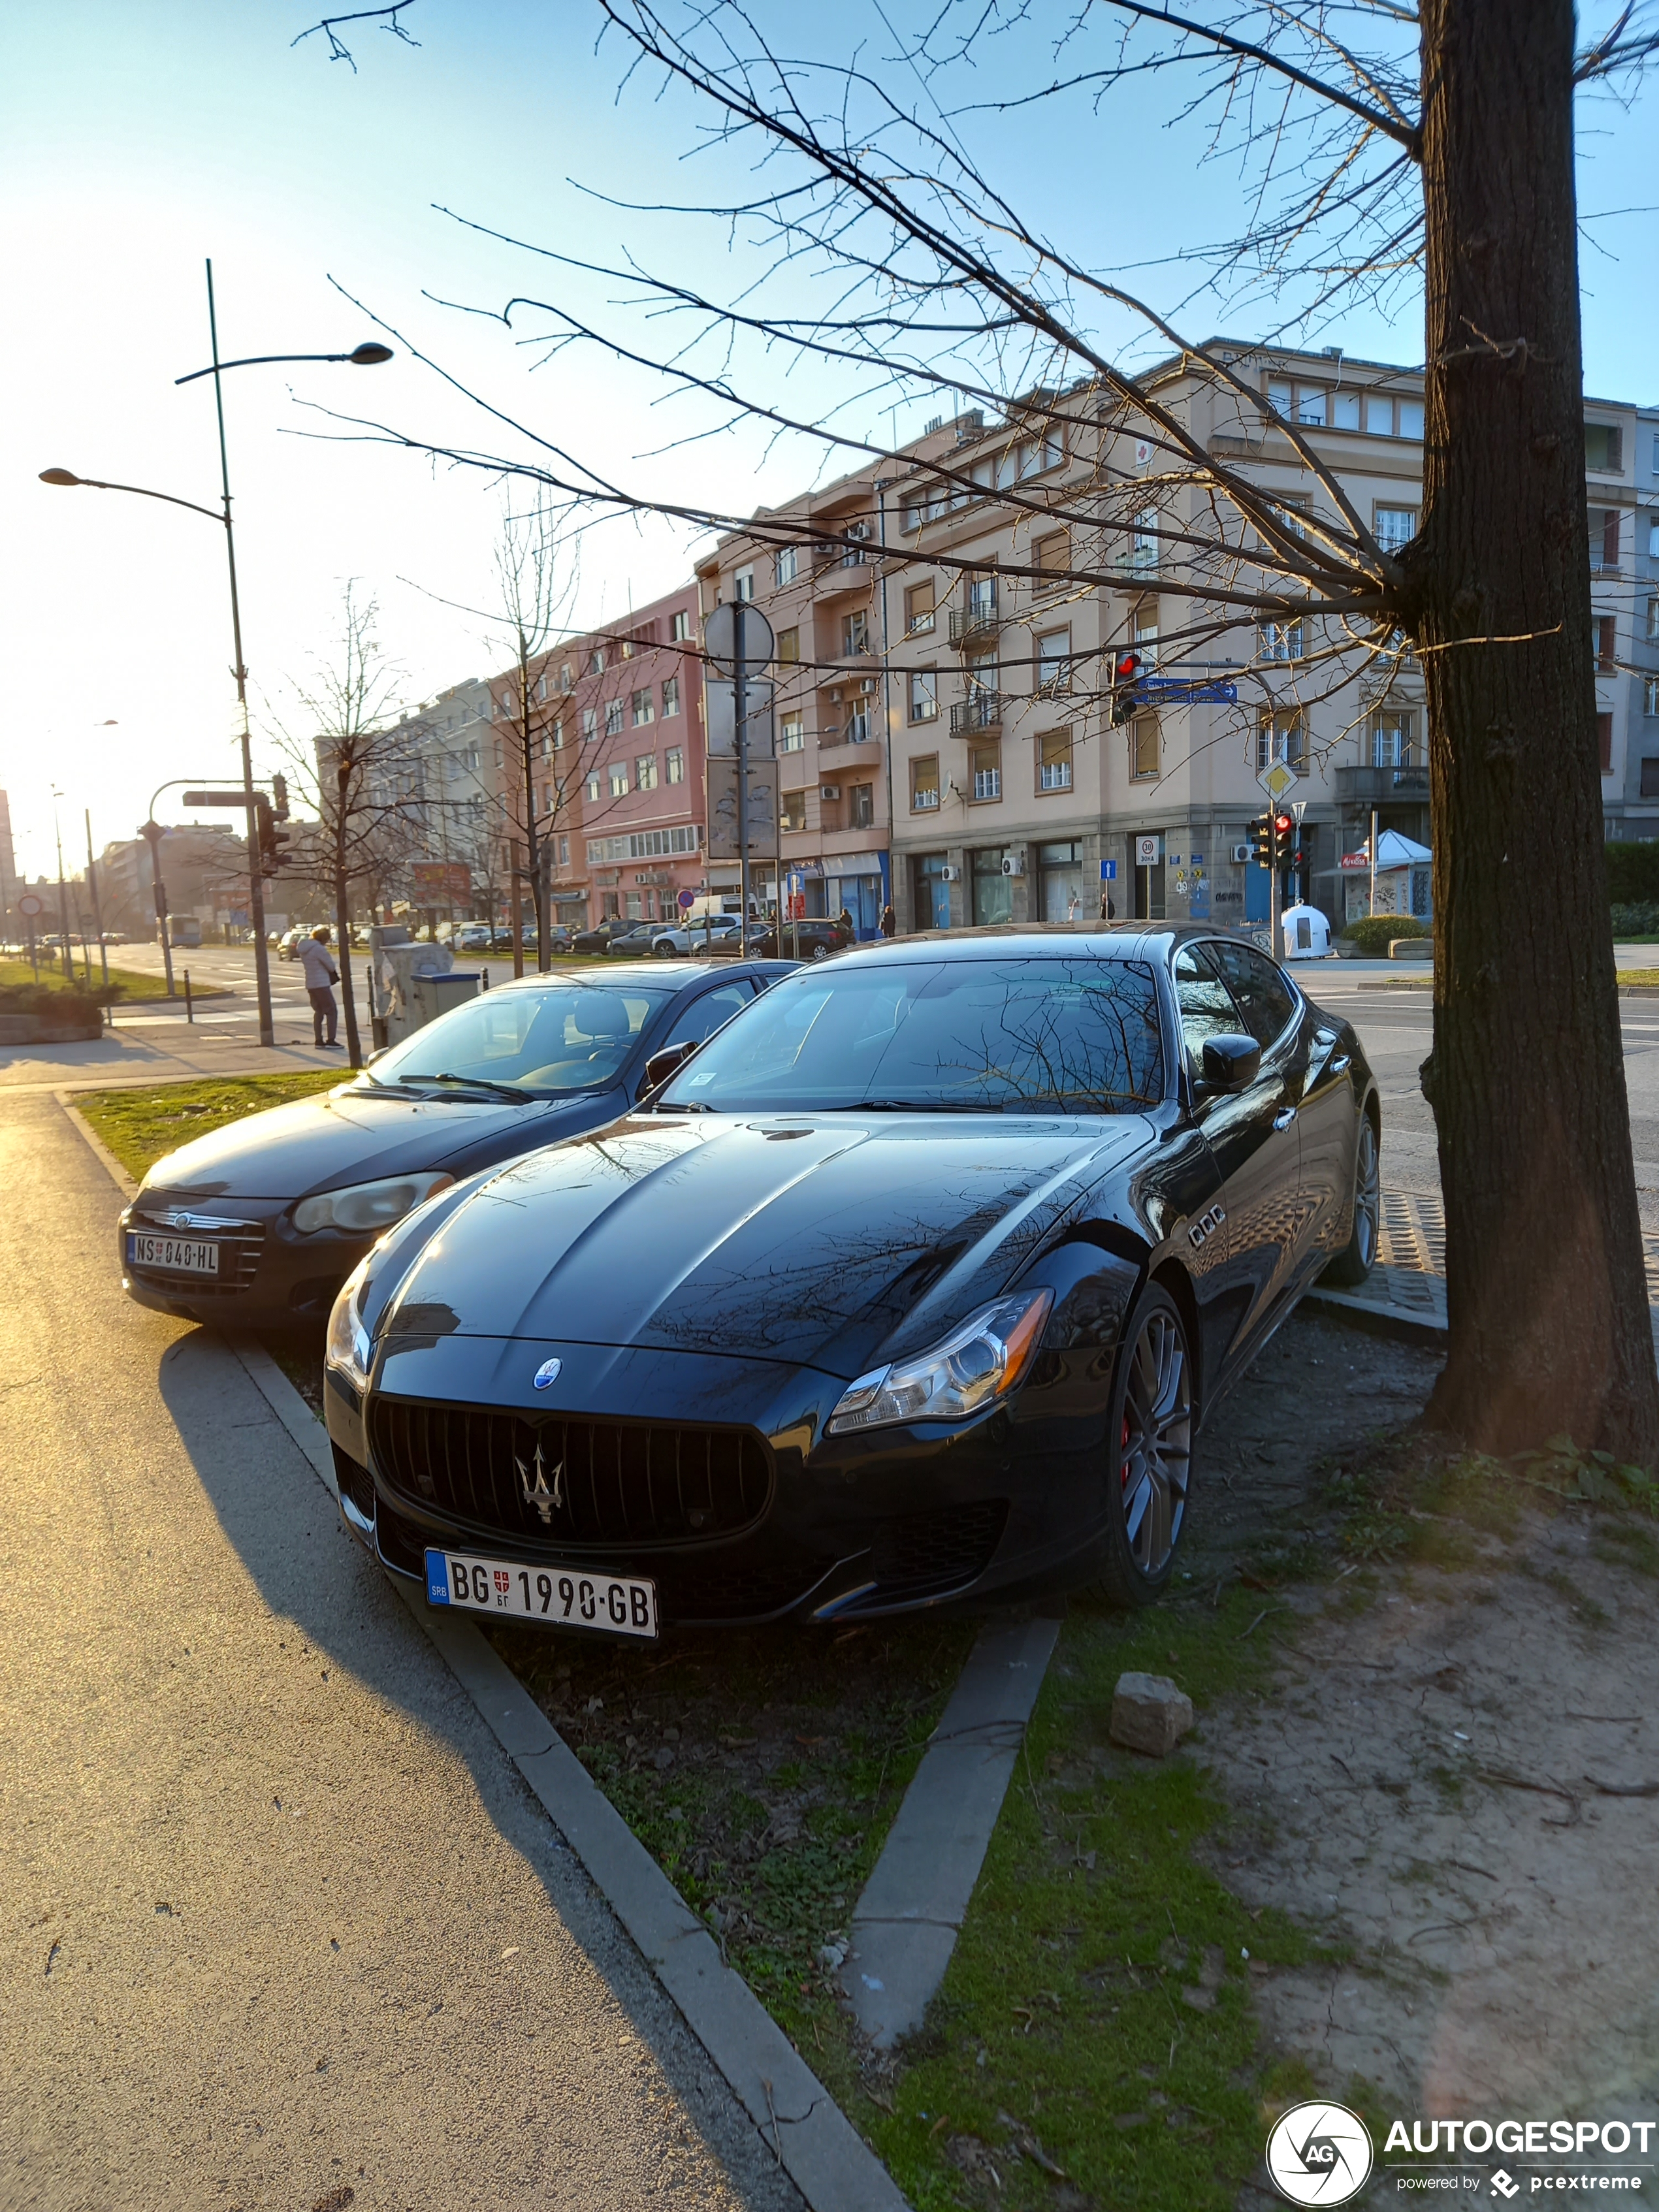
<point x="1230" y="1063"/>
<point x="661" y="1065"/>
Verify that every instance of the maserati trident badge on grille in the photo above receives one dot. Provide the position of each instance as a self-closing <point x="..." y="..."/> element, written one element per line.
<point x="537" y="1493"/>
<point x="548" y="1374"/>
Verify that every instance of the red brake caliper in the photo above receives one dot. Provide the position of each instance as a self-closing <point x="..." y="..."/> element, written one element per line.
<point x="1123" y="1477"/>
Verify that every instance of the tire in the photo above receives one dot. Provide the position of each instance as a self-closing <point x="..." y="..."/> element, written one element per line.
<point x="819" y="952"/>
<point x="1149" y="1452"/>
<point x="663" y="948"/>
<point x="1351" y="1267"/>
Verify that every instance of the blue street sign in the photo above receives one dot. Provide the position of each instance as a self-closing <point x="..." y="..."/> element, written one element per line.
<point x="1109" y="871"/>
<point x="1178" y="691"/>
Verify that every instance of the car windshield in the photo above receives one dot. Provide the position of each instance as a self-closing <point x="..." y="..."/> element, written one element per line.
<point x="998" y="1035"/>
<point x="566" y="1036"/>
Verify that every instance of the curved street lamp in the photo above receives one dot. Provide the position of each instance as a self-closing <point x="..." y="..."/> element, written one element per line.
<point x="369" y="355"/>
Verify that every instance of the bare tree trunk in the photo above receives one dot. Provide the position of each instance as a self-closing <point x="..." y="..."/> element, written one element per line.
<point x="1547" y="1304"/>
<point x="342" y="939"/>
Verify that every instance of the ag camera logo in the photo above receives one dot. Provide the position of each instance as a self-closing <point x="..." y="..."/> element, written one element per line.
<point x="1320" y="2154"/>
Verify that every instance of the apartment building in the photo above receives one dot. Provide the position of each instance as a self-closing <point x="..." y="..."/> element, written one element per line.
<point x="435" y="765"/>
<point x="617" y="748"/>
<point x="1622" y="457"/>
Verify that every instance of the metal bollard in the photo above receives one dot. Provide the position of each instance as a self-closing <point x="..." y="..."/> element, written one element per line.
<point x="189" y="1011"/>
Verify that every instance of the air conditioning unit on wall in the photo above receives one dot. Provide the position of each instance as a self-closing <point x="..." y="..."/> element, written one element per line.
<point x="830" y="791"/>
<point x="1238" y="855"/>
<point x="869" y="686"/>
<point x="1013" y="864"/>
<point x="950" y="875"/>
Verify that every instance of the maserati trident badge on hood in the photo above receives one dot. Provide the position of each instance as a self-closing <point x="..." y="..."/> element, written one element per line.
<point x="548" y="1374"/>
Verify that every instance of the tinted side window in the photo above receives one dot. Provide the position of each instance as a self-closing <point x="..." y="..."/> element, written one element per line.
<point x="1263" y="996"/>
<point x="705" y="1015"/>
<point x="1207" y="1006"/>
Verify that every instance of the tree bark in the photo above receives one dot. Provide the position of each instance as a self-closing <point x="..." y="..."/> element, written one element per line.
<point x="1549" y="1328"/>
<point x="342" y="940"/>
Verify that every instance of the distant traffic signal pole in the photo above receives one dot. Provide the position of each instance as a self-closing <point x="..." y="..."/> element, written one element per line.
<point x="368" y="356"/>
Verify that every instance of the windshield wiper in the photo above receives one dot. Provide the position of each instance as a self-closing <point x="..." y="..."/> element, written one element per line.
<point x="910" y="1106"/>
<point x="477" y="1083"/>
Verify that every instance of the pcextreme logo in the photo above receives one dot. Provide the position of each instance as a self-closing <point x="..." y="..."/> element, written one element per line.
<point x="1320" y="2154"/>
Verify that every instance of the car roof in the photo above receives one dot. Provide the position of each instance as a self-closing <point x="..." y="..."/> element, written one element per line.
<point x="1028" y="940"/>
<point x="661" y="974"/>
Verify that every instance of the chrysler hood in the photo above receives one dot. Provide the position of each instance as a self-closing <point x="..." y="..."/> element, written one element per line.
<point x="354" y="1135"/>
<point x="816" y="1239"/>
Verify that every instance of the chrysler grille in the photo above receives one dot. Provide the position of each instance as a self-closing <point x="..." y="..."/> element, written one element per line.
<point x="594" y="1482"/>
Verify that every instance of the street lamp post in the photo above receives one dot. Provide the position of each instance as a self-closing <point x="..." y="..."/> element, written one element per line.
<point x="368" y="356"/>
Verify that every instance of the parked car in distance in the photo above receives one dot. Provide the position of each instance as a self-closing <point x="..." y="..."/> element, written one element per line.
<point x="912" y="1283"/>
<point x="259" y="1224"/>
<point x="691" y="938"/>
<point x="597" y="938"/>
<point x="473" y="937"/>
<point x="636" y="943"/>
<point x="289" y="945"/>
<point x="816" y="939"/>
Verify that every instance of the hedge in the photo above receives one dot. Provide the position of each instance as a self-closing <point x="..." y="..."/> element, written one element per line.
<point x="53" y="999"/>
<point x="1633" y="872"/>
<point x="1373" y="933"/>
<point x="1640" y="921"/>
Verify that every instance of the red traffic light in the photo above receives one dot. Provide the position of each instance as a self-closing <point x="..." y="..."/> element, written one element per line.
<point x="1284" y="824"/>
<point x="1125" y="668"/>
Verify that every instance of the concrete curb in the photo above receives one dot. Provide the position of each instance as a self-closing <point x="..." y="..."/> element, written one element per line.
<point x="119" y="1175"/>
<point x="905" y="1925"/>
<point x="1394" y="1321"/>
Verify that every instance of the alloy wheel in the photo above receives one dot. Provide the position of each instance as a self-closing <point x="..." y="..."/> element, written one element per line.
<point x="1155" y="1463"/>
<point x="1367" y="1195"/>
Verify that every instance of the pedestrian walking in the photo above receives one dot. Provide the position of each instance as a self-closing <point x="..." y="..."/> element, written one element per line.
<point x="1108" y="911"/>
<point x="321" y="976"/>
<point x="846" y="924"/>
<point x="889" y="921"/>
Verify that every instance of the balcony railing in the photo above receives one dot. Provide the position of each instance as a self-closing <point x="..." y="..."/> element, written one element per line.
<point x="979" y="710"/>
<point x="1374" y="786"/>
<point x="977" y="619"/>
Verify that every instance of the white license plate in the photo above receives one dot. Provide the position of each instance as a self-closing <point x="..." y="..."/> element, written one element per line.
<point x="186" y="1255"/>
<point x="620" y="1604"/>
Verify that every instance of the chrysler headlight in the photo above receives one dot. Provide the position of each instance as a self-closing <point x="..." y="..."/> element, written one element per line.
<point x="367" y="1206"/>
<point x="348" y="1348"/>
<point x="976" y="1364"/>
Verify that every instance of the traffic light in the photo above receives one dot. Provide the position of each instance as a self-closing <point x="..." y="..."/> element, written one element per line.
<point x="1126" y="685"/>
<point x="1261" y="840"/>
<point x="272" y="858"/>
<point x="1283" y="831"/>
<point x="279" y="796"/>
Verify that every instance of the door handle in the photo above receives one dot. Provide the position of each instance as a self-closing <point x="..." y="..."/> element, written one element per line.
<point x="1341" y="1064"/>
<point x="1284" y="1119"/>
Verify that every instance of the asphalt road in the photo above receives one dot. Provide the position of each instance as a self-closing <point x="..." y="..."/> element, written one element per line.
<point x="279" y="1917"/>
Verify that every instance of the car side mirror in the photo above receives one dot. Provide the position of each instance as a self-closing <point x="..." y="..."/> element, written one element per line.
<point x="661" y="1065"/>
<point x="1230" y="1063"/>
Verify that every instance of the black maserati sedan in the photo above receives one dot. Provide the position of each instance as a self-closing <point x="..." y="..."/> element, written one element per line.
<point x="912" y="1283"/>
<point x="257" y="1225"/>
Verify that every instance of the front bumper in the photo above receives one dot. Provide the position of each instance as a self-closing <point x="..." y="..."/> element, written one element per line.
<point x="849" y="1526"/>
<point x="270" y="1276"/>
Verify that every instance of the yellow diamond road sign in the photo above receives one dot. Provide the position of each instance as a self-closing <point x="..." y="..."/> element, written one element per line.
<point x="1276" y="779"/>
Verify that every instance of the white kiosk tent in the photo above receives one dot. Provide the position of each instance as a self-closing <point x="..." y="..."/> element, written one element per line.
<point x="1399" y="883"/>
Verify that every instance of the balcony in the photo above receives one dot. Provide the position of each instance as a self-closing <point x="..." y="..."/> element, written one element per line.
<point x="979" y="618"/>
<point x="979" y="710"/>
<point x="1382" y="786"/>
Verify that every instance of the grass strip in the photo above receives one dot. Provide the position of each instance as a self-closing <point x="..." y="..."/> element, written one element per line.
<point x="131" y="982"/>
<point x="142" y="1125"/>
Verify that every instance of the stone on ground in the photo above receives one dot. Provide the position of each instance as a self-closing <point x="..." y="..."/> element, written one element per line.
<point x="1149" y="1714"/>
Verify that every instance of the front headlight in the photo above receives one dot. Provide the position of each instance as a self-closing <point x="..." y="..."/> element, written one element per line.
<point x="348" y="1348"/>
<point x="368" y="1205"/>
<point x="981" y="1361"/>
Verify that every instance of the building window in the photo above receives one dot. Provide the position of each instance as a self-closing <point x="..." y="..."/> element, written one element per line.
<point x="919" y="609"/>
<point x="618" y="779"/>
<point x="1653" y="606"/>
<point x="785" y="565"/>
<point x="993" y="898"/>
<point x="1052" y="553"/>
<point x="860" y="806"/>
<point x="924" y="695"/>
<point x="645" y="772"/>
<point x="1144" y="746"/>
<point x="1394" y="526"/>
<point x="742" y="584"/>
<point x="986" y="763"/>
<point x="1391" y="741"/>
<point x="627" y="648"/>
<point x="789" y="645"/>
<point x="854" y="633"/>
<point x="980" y="598"/>
<point x="679" y="627"/>
<point x="643" y="707"/>
<point x="1604" y="637"/>
<point x="1281" y="737"/>
<point x="564" y="851"/>
<point x="671" y="697"/>
<point x="1379" y="414"/>
<point x="1650" y="779"/>
<point x="1604" y="448"/>
<point x="1054" y="662"/>
<point x="1279" y="641"/>
<point x="1604" y="538"/>
<point x="1060" y="879"/>
<point x="793" y="814"/>
<point x="590" y="724"/>
<point x="596" y="661"/>
<point x="673" y="762"/>
<point x="567" y="677"/>
<point x="1650" y="695"/>
<point x="924" y="784"/>
<point x="792" y="734"/>
<point x="857" y="729"/>
<point x="1053" y="761"/>
<point x="1143" y="539"/>
<point x="558" y="742"/>
<point x="613" y="718"/>
<point x="1604" y="742"/>
<point x="1146" y="632"/>
<point x="593" y="787"/>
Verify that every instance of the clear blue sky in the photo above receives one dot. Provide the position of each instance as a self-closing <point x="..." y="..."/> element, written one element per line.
<point x="138" y="140"/>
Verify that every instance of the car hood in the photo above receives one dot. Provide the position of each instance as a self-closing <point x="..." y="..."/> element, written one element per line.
<point x="353" y="1135"/>
<point x="809" y="1239"/>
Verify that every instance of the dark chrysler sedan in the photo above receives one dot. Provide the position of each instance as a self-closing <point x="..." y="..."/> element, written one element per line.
<point x="912" y="1283"/>
<point x="259" y="1223"/>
